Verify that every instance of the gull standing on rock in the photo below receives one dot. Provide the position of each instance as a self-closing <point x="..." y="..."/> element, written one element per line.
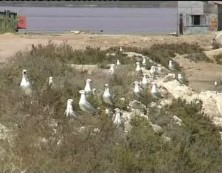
<point x="107" y="96"/>
<point x="118" y="62"/>
<point x="181" y="78"/>
<point x="69" y="109"/>
<point x="153" y="71"/>
<point x="137" y="89"/>
<point x="87" y="88"/>
<point x="171" y="65"/>
<point x="25" y="84"/>
<point x="84" y="104"/>
<point x="155" y="91"/>
<point x="117" y="117"/>
<point x="138" y="68"/>
<point x="94" y="91"/>
<point x="111" y="70"/>
<point x="144" y="81"/>
<point x="144" y="61"/>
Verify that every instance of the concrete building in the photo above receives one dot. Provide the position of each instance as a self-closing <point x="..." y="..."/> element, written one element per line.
<point x="199" y="16"/>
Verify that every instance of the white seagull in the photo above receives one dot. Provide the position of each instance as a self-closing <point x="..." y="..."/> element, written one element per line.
<point x="121" y="49"/>
<point x="181" y="78"/>
<point x="87" y="88"/>
<point x="137" y="89"/>
<point x="215" y="83"/>
<point x="111" y="70"/>
<point x="51" y="82"/>
<point x="69" y="109"/>
<point x="116" y="117"/>
<point x="171" y="65"/>
<point x="118" y="62"/>
<point x="84" y="104"/>
<point x="94" y="91"/>
<point x="144" y="81"/>
<point x="25" y="84"/>
<point x="144" y="61"/>
<point x="138" y="68"/>
<point x="153" y="71"/>
<point x="155" y="91"/>
<point x="107" y="96"/>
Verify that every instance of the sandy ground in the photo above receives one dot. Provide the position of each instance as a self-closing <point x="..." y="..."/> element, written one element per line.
<point x="200" y="75"/>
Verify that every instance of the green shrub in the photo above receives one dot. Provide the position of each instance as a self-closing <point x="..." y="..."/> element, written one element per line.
<point x="8" y="24"/>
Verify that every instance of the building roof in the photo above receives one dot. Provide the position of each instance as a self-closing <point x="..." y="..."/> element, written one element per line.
<point x="216" y="2"/>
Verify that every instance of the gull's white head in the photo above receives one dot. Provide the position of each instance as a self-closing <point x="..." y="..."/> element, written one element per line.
<point x="94" y="90"/>
<point x="50" y="78"/>
<point x="137" y="63"/>
<point x="106" y="85"/>
<point x="88" y="80"/>
<point x="69" y="101"/>
<point x="117" y="110"/>
<point x="24" y="71"/>
<point x="136" y="83"/>
<point x="82" y="92"/>
<point x="25" y="81"/>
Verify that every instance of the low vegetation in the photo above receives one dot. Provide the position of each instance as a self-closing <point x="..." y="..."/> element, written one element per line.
<point x="218" y="59"/>
<point x="44" y="140"/>
<point x="8" y="24"/>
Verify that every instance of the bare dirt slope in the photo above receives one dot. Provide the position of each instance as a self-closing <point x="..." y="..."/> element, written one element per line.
<point x="200" y="75"/>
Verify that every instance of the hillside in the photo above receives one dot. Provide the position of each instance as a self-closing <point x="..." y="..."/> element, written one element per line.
<point x="40" y="131"/>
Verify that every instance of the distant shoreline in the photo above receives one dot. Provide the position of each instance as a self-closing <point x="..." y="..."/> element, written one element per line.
<point x="79" y="4"/>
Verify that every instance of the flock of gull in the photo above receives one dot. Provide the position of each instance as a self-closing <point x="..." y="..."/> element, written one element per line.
<point x="107" y="97"/>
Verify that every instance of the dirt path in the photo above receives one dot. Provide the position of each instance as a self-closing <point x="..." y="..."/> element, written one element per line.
<point x="200" y="75"/>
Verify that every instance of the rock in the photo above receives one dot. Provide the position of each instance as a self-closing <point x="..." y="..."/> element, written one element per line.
<point x="96" y="130"/>
<point x="166" y="138"/>
<point x="153" y="104"/>
<point x="177" y="120"/>
<point x="126" y="116"/>
<point x="136" y="105"/>
<point x="3" y="132"/>
<point x="218" y="39"/>
<point x="211" y="101"/>
<point x="180" y="91"/>
<point x="75" y="32"/>
<point x="82" y="129"/>
<point x="157" y="129"/>
<point x="212" y="105"/>
<point x="111" y="54"/>
<point x="169" y="77"/>
<point x="84" y="68"/>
